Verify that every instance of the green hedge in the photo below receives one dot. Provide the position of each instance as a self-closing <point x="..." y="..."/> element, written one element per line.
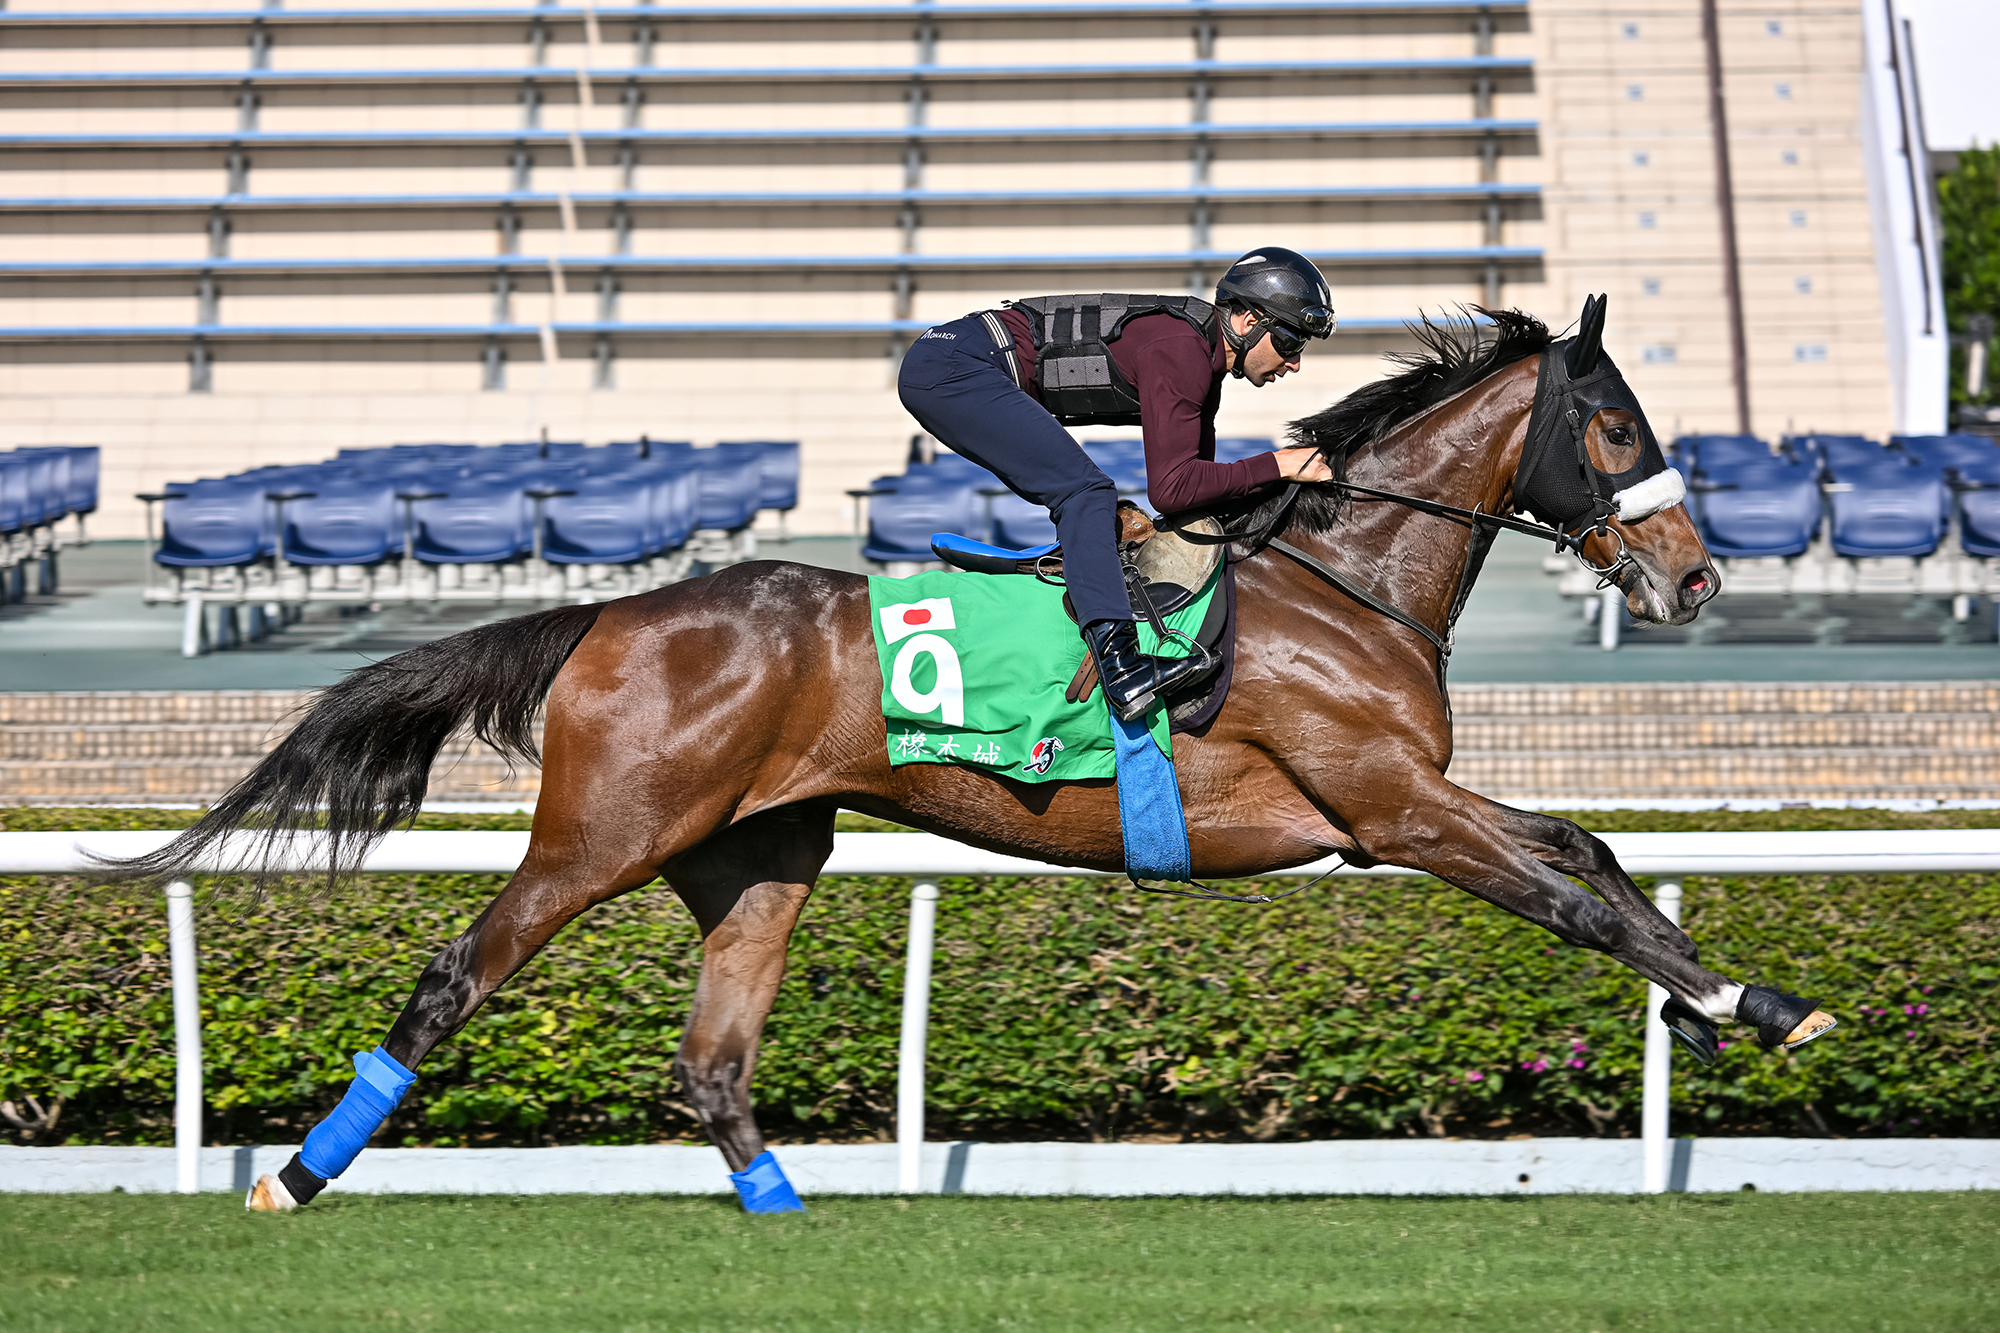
<point x="1062" y="1009"/>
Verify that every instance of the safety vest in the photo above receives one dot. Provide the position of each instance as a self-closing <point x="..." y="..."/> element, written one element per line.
<point x="1075" y="373"/>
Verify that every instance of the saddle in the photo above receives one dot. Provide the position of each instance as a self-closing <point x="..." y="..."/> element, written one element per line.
<point x="1164" y="572"/>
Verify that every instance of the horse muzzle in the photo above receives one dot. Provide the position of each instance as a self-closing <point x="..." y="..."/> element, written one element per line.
<point x="1658" y="599"/>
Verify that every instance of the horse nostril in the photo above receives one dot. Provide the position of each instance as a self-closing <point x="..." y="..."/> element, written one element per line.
<point x="1697" y="585"/>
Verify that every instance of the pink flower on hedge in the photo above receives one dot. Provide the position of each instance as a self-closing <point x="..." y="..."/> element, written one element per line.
<point x="1473" y="1076"/>
<point x="1578" y="1047"/>
<point x="1535" y="1066"/>
<point x="1575" y="1064"/>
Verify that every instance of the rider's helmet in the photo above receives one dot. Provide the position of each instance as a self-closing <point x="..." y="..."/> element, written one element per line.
<point x="1288" y="292"/>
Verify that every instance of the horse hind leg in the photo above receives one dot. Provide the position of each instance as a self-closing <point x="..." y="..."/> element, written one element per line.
<point x="564" y="874"/>
<point x="745" y="886"/>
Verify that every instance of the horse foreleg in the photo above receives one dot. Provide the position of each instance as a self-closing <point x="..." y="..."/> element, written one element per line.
<point x="1457" y="839"/>
<point x="746" y="887"/>
<point x="564" y="874"/>
<point x="1575" y="851"/>
<point x="1781" y="1019"/>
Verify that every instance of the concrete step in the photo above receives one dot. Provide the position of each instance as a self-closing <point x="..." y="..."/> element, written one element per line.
<point x="457" y="776"/>
<point x="1940" y="731"/>
<point x="1711" y="698"/>
<point x="85" y="708"/>
<point x="1801" y="773"/>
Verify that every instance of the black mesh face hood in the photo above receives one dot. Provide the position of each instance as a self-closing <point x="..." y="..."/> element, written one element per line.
<point x="1556" y="481"/>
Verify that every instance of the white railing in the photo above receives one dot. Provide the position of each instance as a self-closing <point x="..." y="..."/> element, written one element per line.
<point x="926" y="859"/>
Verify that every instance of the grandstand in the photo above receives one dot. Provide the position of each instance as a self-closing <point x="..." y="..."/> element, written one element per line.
<point x="250" y="235"/>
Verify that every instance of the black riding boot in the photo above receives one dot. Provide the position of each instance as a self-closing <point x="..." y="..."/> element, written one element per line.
<point x="1133" y="680"/>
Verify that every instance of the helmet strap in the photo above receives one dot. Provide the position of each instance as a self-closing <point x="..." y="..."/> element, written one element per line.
<point x="1240" y="343"/>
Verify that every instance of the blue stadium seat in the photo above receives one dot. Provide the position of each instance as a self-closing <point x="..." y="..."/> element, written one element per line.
<point x="1881" y="502"/>
<point x="732" y="478"/>
<point x="15" y="472"/>
<point x="479" y="521"/>
<point x="778" y="474"/>
<point x="604" y="523"/>
<point x="214" y="523"/>
<point x="73" y="474"/>
<point x="1019" y="524"/>
<point x="924" y="501"/>
<point x="48" y="480"/>
<point x="1756" y="509"/>
<point x="346" y="521"/>
<point x="1966" y="460"/>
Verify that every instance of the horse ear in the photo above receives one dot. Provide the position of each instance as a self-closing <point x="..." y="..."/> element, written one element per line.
<point x="1588" y="345"/>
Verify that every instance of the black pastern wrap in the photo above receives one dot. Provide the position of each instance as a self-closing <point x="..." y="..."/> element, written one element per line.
<point x="1774" y="1012"/>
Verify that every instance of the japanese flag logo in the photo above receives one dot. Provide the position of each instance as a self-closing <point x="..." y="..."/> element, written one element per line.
<point x="902" y="620"/>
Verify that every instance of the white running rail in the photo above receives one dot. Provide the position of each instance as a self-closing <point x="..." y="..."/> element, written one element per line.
<point x="926" y="858"/>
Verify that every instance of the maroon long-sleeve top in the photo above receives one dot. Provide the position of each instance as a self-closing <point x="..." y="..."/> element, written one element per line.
<point x="1179" y="380"/>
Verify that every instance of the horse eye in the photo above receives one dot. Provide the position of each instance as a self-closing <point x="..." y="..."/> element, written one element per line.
<point x="1618" y="435"/>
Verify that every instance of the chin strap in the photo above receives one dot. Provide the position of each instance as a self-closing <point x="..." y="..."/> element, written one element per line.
<point x="1238" y="343"/>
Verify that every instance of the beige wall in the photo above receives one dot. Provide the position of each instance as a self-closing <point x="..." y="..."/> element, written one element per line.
<point x="299" y="400"/>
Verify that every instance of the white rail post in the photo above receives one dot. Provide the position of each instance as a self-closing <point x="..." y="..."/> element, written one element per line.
<point x="187" y="1037"/>
<point x="1610" y="619"/>
<point x="1654" y="1094"/>
<point x="910" y="1052"/>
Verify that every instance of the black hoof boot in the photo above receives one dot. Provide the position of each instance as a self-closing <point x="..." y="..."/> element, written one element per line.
<point x="1781" y="1019"/>
<point x="1134" y="681"/>
<point x="1696" y="1035"/>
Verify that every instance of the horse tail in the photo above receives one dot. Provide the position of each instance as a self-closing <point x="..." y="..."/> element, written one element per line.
<point x="359" y="762"/>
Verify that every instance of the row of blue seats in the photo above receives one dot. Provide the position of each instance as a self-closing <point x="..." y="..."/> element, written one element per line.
<point x="471" y="504"/>
<point x="42" y="485"/>
<point x="954" y="494"/>
<point x="1751" y="500"/>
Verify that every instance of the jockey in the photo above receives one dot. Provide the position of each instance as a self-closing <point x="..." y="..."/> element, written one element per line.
<point x="998" y="386"/>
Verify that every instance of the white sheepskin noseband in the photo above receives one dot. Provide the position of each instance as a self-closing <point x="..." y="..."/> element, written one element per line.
<point x="1662" y="490"/>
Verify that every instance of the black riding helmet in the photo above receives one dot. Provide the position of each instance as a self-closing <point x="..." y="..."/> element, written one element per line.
<point x="1287" y="289"/>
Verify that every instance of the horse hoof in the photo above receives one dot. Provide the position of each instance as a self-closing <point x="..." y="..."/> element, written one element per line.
<point x="1695" y="1034"/>
<point x="1818" y="1023"/>
<point x="269" y="1195"/>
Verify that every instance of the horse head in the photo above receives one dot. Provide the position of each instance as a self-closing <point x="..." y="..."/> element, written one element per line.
<point x="1592" y="467"/>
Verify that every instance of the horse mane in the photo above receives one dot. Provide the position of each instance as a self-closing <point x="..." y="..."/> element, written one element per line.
<point x="1457" y="353"/>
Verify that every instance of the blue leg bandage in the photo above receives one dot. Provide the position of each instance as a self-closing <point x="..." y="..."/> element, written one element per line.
<point x="763" y="1187"/>
<point x="379" y="1083"/>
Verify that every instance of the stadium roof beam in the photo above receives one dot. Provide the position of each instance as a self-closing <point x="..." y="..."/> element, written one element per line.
<point x="557" y="75"/>
<point x="711" y="13"/>
<point x="1165" y="197"/>
<point x="897" y="135"/>
<point x="482" y="264"/>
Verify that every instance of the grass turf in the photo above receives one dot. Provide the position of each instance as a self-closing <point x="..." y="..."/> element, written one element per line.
<point x="1824" y="1262"/>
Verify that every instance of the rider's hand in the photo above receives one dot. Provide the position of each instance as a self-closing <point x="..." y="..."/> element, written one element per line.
<point x="1302" y="465"/>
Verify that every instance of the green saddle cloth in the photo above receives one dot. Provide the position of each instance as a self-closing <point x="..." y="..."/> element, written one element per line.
<point x="975" y="666"/>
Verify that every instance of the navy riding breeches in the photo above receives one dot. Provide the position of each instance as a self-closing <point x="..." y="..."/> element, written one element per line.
<point x="955" y="382"/>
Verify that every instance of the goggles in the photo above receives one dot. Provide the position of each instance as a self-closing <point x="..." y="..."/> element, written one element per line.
<point x="1288" y="342"/>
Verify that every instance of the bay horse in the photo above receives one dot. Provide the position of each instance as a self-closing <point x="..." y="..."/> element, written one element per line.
<point x="705" y="733"/>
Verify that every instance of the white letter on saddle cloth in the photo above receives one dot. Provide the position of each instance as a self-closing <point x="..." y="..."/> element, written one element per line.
<point x="947" y="696"/>
<point x="906" y="618"/>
